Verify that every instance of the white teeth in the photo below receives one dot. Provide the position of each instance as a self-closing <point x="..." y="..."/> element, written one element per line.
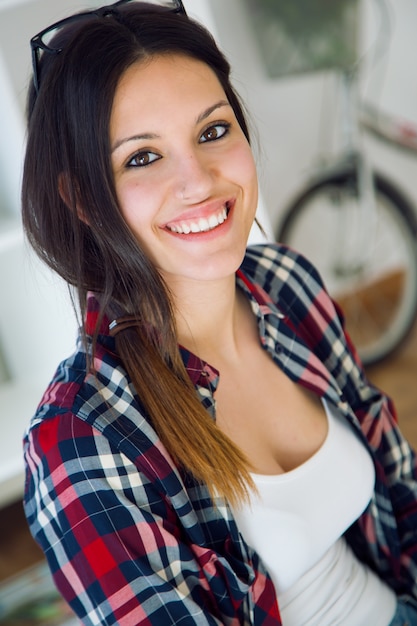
<point x="212" y="221"/>
<point x="201" y="226"/>
<point x="204" y="225"/>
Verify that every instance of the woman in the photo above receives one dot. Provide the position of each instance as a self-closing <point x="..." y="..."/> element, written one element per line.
<point x="212" y="453"/>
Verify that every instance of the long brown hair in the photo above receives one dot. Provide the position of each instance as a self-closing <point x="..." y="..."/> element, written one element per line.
<point x="68" y="156"/>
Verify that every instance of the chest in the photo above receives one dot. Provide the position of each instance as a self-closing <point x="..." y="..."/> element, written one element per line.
<point x="277" y="423"/>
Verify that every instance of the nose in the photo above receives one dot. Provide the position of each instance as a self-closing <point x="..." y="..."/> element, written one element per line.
<point x="194" y="178"/>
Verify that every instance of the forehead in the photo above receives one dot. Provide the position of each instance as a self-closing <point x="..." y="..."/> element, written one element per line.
<point x="165" y="85"/>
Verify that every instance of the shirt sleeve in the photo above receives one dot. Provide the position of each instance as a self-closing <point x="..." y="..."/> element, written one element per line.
<point x="388" y="529"/>
<point x="114" y="545"/>
<point x="390" y="523"/>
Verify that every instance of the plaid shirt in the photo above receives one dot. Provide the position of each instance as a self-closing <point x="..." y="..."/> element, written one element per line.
<point x="132" y="540"/>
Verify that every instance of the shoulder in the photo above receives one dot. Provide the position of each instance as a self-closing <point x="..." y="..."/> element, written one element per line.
<point x="289" y="278"/>
<point x="101" y="409"/>
<point x="62" y="391"/>
<point x="277" y="264"/>
<point x="74" y="400"/>
<point x="295" y="287"/>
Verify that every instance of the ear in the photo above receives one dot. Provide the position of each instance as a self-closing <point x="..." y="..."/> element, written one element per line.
<point x="69" y="193"/>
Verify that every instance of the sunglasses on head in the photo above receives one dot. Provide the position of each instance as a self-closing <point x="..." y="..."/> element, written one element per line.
<point x="40" y="42"/>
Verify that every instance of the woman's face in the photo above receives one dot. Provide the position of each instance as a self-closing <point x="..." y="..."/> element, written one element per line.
<point x="184" y="172"/>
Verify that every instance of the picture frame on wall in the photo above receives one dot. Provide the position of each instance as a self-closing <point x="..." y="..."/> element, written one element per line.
<point x="304" y="35"/>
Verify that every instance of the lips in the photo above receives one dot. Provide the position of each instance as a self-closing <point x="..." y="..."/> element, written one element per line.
<point x="195" y="225"/>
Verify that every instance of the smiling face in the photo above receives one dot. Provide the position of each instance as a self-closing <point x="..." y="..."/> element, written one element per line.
<point x="184" y="172"/>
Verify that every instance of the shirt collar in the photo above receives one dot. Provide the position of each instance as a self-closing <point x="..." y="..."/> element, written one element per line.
<point x="261" y="301"/>
<point x="92" y="316"/>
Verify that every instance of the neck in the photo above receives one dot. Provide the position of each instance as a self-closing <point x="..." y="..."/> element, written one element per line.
<point x="207" y="316"/>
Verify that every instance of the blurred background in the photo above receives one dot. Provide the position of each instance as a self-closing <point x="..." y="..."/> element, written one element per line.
<point x="291" y="60"/>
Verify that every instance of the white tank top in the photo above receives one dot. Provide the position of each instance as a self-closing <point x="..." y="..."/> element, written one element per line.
<point x="295" y="525"/>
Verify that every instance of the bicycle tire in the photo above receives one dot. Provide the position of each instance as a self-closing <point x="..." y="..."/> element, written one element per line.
<point x="378" y="295"/>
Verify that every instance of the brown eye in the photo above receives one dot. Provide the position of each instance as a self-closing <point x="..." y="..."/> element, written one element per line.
<point x="214" y="132"/>
<point x="142" y="159"/>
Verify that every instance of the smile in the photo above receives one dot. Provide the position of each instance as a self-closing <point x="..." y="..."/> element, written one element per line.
<point x="200" y="225"/>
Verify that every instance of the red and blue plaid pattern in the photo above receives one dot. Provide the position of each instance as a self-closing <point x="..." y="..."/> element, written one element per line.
<point x="131" y="539"/>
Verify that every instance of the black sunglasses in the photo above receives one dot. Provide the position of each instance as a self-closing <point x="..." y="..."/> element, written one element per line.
<point x="40" y="41"/>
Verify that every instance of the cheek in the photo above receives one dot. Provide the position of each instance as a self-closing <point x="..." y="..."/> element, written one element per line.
<point x="241" y="166"/>
<point x="136" y="203"/>
<point x="139" y="205"/>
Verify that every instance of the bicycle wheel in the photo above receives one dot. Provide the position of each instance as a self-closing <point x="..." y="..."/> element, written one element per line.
<point x="367" y="259"/>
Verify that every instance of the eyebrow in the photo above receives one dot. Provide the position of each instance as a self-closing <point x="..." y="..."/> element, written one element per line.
<point x="146" y="136"/>
<point x="205" y="114"/>
<point x="120" y="142"/>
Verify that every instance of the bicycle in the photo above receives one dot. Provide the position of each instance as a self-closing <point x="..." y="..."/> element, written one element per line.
<point x="360" y="230"/>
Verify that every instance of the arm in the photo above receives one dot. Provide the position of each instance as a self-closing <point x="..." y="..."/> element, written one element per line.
<point x="396" y="468"/>
<point x="114" y="544"/>
<point x="388" y="529"/>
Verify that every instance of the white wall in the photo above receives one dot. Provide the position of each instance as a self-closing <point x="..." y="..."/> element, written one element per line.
<point x="391" y="84"/>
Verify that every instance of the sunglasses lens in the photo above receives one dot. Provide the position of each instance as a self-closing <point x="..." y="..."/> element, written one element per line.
<point x="50" y="39"/>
